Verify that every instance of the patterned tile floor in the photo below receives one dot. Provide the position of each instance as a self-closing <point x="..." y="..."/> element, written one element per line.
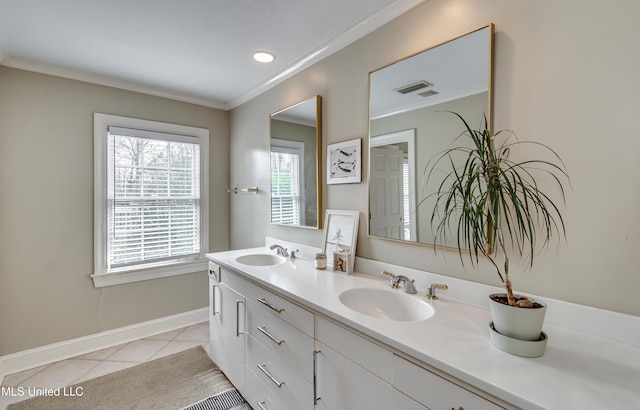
<point x="101" y="362"/>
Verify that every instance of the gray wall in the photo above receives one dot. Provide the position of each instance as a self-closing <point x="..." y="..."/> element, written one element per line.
<point x="46" y="211"/>
<point x="565" y="75"/>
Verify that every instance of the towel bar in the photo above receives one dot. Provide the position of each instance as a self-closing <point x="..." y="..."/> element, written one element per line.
<point x="251" y="190"/>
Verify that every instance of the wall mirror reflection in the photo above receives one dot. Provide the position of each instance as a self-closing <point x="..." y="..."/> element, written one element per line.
<point x="409" y="124"/>
<point x="295" y="164"/>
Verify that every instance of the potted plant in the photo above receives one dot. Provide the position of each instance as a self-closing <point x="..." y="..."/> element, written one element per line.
<point x="494" y="208"/>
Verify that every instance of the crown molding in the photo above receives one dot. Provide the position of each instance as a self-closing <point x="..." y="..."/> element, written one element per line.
<point x="359" y="30"/>
<point x="78" y="75"/>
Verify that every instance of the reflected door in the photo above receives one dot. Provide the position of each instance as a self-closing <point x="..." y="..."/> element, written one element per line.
<point x="386" y="195"/>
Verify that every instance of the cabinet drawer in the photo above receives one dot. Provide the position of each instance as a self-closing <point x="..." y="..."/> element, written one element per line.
<point x="282" y="339"/>
<point x="361" y="351"/>
<point x="274" y="304"/>
<point x="434" y="391"/>
<point x="293" y="390"/>
<point x="258" y="395"/>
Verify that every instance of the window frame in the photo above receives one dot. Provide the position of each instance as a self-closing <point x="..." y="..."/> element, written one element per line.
<point x="296" y="148"/>
<point x="101" y="275"/>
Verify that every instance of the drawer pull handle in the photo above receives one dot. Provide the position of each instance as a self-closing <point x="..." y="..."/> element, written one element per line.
<point x="238" y="332"/>
<point x="261" y="405"/>
<point x="261" y="367"/>
<point x="263" y="329"/>
<point x="315" y="374"/>
<point x="213" y="299"/>
<point x="270" y="306"/>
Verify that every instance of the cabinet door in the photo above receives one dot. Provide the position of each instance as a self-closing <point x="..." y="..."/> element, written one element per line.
<point x="215" y="330"/>
<point x="226" y="344"/>
<point x="342" y="384"/>
<point x="433" y="391"/>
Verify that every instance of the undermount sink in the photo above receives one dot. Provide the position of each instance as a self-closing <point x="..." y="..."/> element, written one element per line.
<point x="387" y="304"/>
<point x="261" y="259"/>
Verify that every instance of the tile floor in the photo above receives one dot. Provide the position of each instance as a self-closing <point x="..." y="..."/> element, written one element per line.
<point x="101" y="362"/>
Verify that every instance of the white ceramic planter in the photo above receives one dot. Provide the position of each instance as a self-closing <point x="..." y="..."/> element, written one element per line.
<point x="524" y="348"/>
<point x="518" y="323"/>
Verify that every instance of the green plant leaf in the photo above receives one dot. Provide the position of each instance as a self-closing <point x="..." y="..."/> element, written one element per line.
<point x="487" y="196"/>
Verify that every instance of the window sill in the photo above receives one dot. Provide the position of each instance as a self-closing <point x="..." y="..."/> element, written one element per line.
<point x="148" y="272"/>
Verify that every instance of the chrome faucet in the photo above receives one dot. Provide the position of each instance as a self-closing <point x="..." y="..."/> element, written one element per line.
<point x="396" y="280"/>
<point x="280" y="250"/>
<point x="409" y="287"/>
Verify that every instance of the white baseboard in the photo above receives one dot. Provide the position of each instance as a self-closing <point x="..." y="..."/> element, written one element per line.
<point x="28" y="359"/>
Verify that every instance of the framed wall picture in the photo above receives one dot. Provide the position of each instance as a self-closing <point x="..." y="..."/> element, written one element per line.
<point x="340" y="235"/>
<point x="344" y="162"/>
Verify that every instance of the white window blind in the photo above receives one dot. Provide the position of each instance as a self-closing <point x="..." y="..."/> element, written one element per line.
<point x="285" y="186"/>
<point x="153" y="197"/>
<point x="406" y="200"/>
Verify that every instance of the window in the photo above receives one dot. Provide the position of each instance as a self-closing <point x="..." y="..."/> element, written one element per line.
<point x="286" y="177"/>
<point x="406" y="199"/>
<point x="150" y="199"/>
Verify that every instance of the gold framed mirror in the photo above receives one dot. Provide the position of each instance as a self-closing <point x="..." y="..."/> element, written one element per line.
<point x="295" y="147"/>
<point x="409" y="124"/>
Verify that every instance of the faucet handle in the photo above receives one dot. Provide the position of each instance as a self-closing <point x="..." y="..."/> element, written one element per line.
<point x="431" y="291"/>
<point x="394" y="282"/>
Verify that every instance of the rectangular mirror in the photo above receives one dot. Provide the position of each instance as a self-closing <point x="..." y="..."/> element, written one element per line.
<point x="296" y="138"/>
<point x="409" y="124"/>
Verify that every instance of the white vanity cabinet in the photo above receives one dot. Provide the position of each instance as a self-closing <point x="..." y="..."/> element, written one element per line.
<point x="282" y="339"/>
<point x="278" y="349"/>
<point x="351" y="372"/>
<point x="226" y="326"/>
<point x="343" y="384"/>
<point x="282" y="356"/>
<point x="434" y="391"/>
<point x="354" y="372"/>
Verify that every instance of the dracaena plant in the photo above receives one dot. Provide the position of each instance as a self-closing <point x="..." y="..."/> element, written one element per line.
<point x="492" y="205"/>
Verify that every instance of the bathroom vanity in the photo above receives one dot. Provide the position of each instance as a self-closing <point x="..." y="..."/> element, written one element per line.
<point x="287" y="336"/>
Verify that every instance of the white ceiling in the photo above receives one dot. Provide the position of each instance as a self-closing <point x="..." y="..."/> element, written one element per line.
<point x="191" y="50"/>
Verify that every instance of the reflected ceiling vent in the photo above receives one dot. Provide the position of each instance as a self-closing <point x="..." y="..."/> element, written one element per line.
<point x="428" y="93"/>
<point x="413" y="87"/>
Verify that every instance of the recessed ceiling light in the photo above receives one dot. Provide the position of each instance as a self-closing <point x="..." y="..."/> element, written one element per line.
<point x="263" y="57"/>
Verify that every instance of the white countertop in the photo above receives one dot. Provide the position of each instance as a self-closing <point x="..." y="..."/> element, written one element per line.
<point x="577" y="371"/>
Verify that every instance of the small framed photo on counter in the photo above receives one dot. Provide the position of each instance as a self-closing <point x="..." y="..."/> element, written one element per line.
<point x="342" y="262"/>
<point x="340" y="235"/>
